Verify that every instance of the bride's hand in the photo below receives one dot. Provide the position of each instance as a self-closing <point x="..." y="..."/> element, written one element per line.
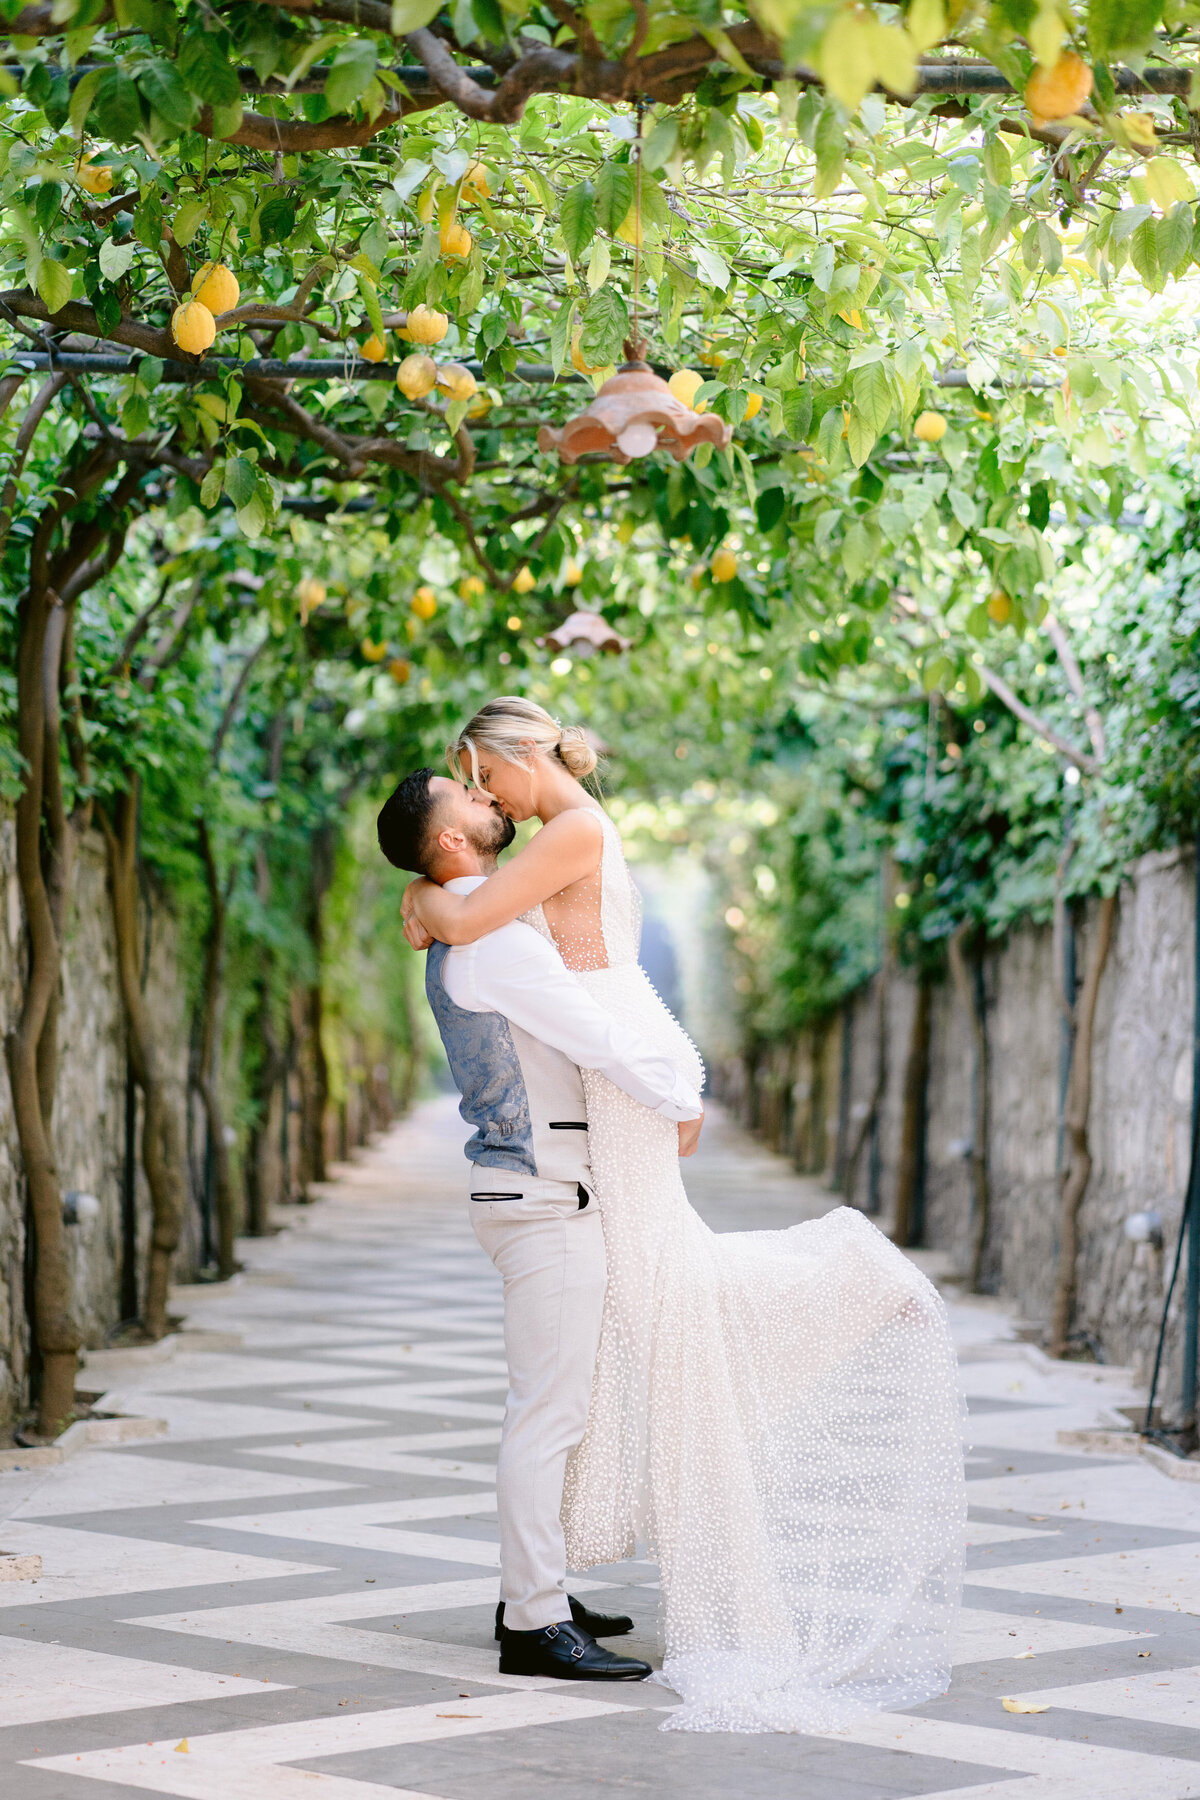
<point x="414" y="930"/>
<point x="689" y="1135"/>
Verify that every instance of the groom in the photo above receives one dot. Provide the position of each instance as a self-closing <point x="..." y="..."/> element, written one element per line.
<point x="517" y="1027"/>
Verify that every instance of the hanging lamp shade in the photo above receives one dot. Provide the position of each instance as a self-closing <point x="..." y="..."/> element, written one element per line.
<point x="583" y="632"/>
<point x="634" y="413"/>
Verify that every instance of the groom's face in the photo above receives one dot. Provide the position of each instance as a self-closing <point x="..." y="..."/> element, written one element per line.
<point x="473" y="814"/>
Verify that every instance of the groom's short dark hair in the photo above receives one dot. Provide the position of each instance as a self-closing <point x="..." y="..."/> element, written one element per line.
<point x="407" y="823"/>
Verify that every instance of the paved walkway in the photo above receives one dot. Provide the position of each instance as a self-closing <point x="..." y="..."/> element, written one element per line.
<point x="290" y="1595"/>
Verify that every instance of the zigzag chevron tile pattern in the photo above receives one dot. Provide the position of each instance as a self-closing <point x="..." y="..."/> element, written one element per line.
<point x="289" y="1597"/>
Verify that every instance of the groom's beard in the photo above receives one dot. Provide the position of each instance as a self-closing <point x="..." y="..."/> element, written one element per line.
<point x="491" y="833"/>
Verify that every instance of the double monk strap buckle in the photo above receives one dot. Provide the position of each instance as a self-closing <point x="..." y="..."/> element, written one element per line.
<point x="552" y="1632"/>
<point x="577" y="1651"/>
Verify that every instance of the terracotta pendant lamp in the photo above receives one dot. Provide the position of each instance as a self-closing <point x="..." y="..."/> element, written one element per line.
<point x="633" y="414"/>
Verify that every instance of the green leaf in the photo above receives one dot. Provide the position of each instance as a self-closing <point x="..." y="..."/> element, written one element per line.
<point x="410" y="15"/>
<point x="872" y="400"/>
<point x="277" y="217"/>
<point x="614" y="195"/>
<point x="54" y="284"/>
<point x="116" y="258"/>
<point x="369" y="295"/>
<point x="1115" y="27"/>
<point x="829" y="434"/>
<point x="81" y="100"/>
<point x="211" y="486"/>
<point x="1173" y="235"/>
<point x="1143" y="253"/>
<point x="798" y="412"/>
<point x="189" y="218"/>
<point x="149" y="373"/>
<point x="714" y="270"/>
<point x="352" y="70"/>
<point x="962" y="506"/>
<point x="830" y="147"/>
<point x="605" y="328"/>
<point x="560" y="334"/>
<point x="117" y="109"/>
<point x="207" y="69"/>
<point x="577" y="219"/>
<point x="252" y="517"/>
<point x="861" y="436"/>
<point x="166" y="94"/>
<point x="241" y="481"/>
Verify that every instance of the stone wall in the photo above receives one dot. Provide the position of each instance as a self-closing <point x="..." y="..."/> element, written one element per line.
<point x="1140" y="1117"/>
<point x="89" y="1115"/>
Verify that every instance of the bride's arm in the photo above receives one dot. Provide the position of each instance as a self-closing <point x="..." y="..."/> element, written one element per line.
<point x="565" y="850"/>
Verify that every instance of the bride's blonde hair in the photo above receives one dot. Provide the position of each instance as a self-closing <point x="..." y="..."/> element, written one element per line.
<point x="508" y="726"/>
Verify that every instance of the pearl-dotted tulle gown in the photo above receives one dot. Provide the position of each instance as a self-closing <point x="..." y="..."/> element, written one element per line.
<point x="776" y="1415"/>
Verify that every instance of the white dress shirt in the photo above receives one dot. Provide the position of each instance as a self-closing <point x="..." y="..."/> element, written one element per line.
<point x="518" y="973"/>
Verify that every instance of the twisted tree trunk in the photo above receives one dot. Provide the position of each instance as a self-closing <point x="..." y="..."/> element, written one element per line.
<point x="910" y="1170"/>
<point x="1077" y="1169"/>
<point x="162" y="1143"/>
<point x="44" y="839"/>
<point x="208" y="1075"/>
<point x="30" y="1069"/>
<point x="966" y="983"/>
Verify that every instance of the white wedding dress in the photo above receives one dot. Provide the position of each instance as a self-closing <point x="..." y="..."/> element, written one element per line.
<point x="776" y="1415"/>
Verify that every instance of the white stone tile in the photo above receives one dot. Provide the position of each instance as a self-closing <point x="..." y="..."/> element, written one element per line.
<point x="109" y="1480"/>
<point x="1166" y="1579"/>
<point x="192" y="1421"/>
<point x="1167" y="1696"/>
<point x="252" y="1764"/>
<point x="41" y="1681"/>
<point x="1129" y="1492"/>
<point x="82" y="1565"/>
<point x="981" y="1634"/>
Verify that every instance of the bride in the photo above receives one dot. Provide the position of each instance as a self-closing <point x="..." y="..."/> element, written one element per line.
<point x="775" y="1414"/>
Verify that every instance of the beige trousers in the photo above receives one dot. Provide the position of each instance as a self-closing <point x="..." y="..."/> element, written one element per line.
<point x="550" y="1253"/>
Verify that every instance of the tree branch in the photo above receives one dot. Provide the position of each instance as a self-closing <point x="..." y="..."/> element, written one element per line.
<point x="25" y="436"/>
<point x="229" y="712"/>
<point x="1069" y="664"/>
<point x="1088" y="764"/>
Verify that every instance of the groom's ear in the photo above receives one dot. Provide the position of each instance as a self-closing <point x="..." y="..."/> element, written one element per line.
<point x="450" y="841"/>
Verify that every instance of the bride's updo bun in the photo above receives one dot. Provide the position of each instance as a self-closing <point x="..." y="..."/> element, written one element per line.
<point x="507" y="727"/>
<point x="576" y="752"/>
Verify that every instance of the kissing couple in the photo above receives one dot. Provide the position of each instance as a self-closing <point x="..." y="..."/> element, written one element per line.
<point x="773" y="1416"/>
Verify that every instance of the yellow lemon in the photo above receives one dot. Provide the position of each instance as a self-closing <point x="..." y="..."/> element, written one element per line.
<point x="423" y="603"/>
<point x="417" y="375"/>
<point x="480" y="406"/>
<point x="577" y="358"/>
<point x="476" y="183"/>
<point x="523" y="580"/>
<point x="311" y="594"/>
<point x="999" y="608"/>
<point x="930" y="428"/>
<point x="399" y="670"/>
<point x="92" y="180"/>
<point x="471" y="587"/>
<point x="724" y="565"/>
<point x="456" y="382"/>
<point x="374" y="652"/>
<point x="697" y="579"/>
<point x="684" y="384"/>
<point x="426" y="326"/>
<point x="572" y="574"/>
<point x="374" y="350"/>
<point x="1055" y="93"/>
<point x="216" y="286"/>
<point x="455" y="239"/>
<point x="753" y="407"/>
<point x="193" y="327"/>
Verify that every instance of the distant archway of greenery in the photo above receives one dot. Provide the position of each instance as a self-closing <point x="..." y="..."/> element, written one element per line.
<point x="954" y="335"/>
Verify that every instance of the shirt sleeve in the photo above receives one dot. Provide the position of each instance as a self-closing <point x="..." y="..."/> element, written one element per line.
<point x="518" y="973"/>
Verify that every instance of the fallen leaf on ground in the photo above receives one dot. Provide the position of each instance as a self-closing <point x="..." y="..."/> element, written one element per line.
<point x="460" y="1715"/>
<point x="1021" y="1706"/>
<point x="1020" y="1655"/>
<point x="183" y="1745"/>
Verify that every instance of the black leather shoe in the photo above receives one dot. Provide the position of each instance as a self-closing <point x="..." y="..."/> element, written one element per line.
<point x="566" y="1652"/>
<point x="594" y="1623"/>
